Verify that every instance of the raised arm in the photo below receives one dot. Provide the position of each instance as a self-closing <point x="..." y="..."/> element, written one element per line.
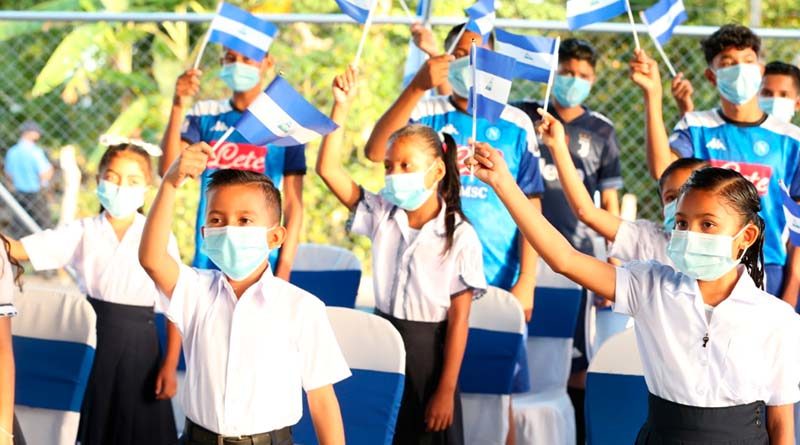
<point x="153" y="254"/>
<point x="682" y="91"/>
<point x="329" y="160"/>
<point x="600" y="220"/>
<point x="186" y="87"/>
<point x="431" y="75"/>
<point x="644" y="72"/>
<point x="556" y="251"/>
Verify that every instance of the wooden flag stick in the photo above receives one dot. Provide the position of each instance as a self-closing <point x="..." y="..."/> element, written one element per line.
<point x="406" y="10"/>
<point x="205" y="40"/>
<point x="633" y="24"/>
<point x="658" y="45"/>
<point x="474" y="54"/>
<point x="553" y="68"/>
<point x="367" y="25"/>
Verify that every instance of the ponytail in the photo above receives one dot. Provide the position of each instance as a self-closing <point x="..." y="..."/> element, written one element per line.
<point x="753" y="258"/>
<point x="15" y="266"/>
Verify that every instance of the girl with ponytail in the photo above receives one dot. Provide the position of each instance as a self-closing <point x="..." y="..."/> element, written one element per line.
<point x="427" y="263"/>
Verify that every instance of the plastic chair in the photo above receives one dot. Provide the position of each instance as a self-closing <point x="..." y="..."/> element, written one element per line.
<point x="370" y="398"/>
<point x="616" y="392"/>
<point x="545" y="415"/>
<point x="54" y="339"/>
<point x="496" y="335"/>
<point x="330" y="273"/>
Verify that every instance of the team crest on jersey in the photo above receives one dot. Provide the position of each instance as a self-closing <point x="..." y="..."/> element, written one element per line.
<point x="761" y="148"/>
<point x="239" y="156"/>
<point x="493" y="133"/>
<point x="549" y="172"/>
<point x="758" y="174"/>
<point x="584" y="144"/>
<point x="220" y="126"/>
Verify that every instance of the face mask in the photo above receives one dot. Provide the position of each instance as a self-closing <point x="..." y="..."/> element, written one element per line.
<point x="702" y="256"/>
<point x="237" y="251"/>
<point x="120" y="201"/>
<point x="570" y="91"/>
<point x="669" y="215"/>
<point x="240" y="76"/>
<point x="407" y="190"/>
<point x="781" y="108"/>
<point x="460" y="76"/>
<point x="739" y="83"/>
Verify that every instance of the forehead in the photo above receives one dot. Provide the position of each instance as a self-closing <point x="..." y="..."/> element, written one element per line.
<point x="238" y="198"/>
<point x="735" y="53"/>
<point x="701" y="202"/>
<point x="465" y="42"/>
<point x="779" y="81"/>
<point x="407" y="149"/>
<point x="576" y="65"/>
<point x="128" y="163"/>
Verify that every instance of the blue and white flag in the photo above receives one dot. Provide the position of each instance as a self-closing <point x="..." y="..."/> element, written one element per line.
<point x="582" y="13"/>
<point x="281" y="116"/>
<point x="481" y="17"/>
<point x="416" y="58"/>
<point x="791" y="210"/>
<point x="536" y="56"/>
<point x="663" y="17"/>
<point x="492" y="78"/>
<point x="242" y="32"/>
<point x="357" y="9"/>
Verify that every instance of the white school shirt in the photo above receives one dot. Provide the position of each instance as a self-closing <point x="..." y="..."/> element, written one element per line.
<point x="6" y="285"/>
<point x="107" y="269"/>
<point x="412" y="280"/>
<point x="247" y="361"/>
<point x="753" y="349"/>
<point x="640" y="240"/>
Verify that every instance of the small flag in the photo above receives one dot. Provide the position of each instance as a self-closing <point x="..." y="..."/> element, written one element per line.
<point x="242" y="32"/>
<point x="535" y="55"/>
<point x="416" y="58"/>
<point x="481" y="17"/>
<point x="792" y="212"/>
<point x="492" y="77"/>
<point x="281" y="116"/>
<point x="663" y="17"/>
<point x="582" y="13"/>
<point x="357" y="9"/>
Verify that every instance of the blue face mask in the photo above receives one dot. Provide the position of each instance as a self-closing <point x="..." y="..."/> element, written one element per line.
<point x="702" y="256"/>
<point x="240" y="76"/>
<point x="739" y="83"/>
<point x="781" y="108"/>
<point x="237" y="251"/>
<point x="669" y="215"/>
<point x="570" y="91"/>
<point x="459" y="76"/>
<point x="407" y="190"/>
<point x="120" y="201"/>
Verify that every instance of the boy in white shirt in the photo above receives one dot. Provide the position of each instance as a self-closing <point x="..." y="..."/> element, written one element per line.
<point x="251" y="340"/>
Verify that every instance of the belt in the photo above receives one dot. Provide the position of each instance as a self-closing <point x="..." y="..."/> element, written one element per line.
<point x="198" y="435"/>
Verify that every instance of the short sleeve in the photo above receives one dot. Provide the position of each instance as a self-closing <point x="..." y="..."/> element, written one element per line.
<point x="294" y="161"/>
<point x="609" y="176"/>
<point x="529" y="177"/>
<point x="54" y="248"/>
<point x="681" y="139"/>
<point x="639" y="240"/>
<point x="370" y="210"/>
<point x="635" y="283"/>
<point x="6" y="286"/>
<point x="181" y="308"/>
<point x="322" y="360"/>
<point x="469" y="265"/>
<point x="786" y="382"/>
<point x="794" y="187"/>
<point x="42" y="163"/>
<point x="191" y="131"/>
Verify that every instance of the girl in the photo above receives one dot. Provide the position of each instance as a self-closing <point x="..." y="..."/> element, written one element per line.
<point x="715" y="347"/>
<point x="10" y="272"/>
<point x="632" y="240"/>
<point x="126" y="400"/>
<point x="426" y="262"/>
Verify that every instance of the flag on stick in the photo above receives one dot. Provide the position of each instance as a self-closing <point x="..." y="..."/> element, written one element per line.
<point x="661" y="20"/>
<point x="240" y="31"/>
<point x="492" y="75"/>
<point x="582" y="13"/>
<point x="358" y="10"/>
<point x="480" y="20"/>
<point x="534" y="55"/>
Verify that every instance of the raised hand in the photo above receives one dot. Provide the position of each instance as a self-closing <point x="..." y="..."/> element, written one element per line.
<point x="187" y="86"/>
<point x="682" y="91"/>
<point x="433" y="73"/>
<point x="344" y="86"/>
<point x="551" y="131"/>
<point x="423" y="38"/>
<point x="644" y="72"/>
<point x="190" y="164"/>
<point x="489" y="166"/>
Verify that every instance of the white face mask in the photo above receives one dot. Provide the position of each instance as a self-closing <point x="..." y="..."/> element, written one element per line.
<point x="781" y="108"/>
<point x="460" y="76"/>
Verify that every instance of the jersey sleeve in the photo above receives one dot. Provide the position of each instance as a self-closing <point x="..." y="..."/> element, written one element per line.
<point x="323" y="362"/>
<point x="639" y="240"/>
<point x="191" y="131"/>
<point x="794" y="187"/>
<point x="182" y="307"/>
<point x="680" y="141"/>
<point x="294" y="161"/>
<point x="54" y="248"/>
<point x="635" y="284"/>
<point x="369" y="212"/>
<point x="785" y="387"/>
<point x="6" y="286"/>
<point x="609" y="176"/>
<point x="469" y="265"/>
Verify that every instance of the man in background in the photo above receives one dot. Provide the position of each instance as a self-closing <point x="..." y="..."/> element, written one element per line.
<point x="29" y="172"/>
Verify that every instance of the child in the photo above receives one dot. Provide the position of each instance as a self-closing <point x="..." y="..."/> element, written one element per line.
<point x="250" y="339"/>
<point x="124" y="401"/>
<point x="715" y="347"/>
<point x="780" y="90"/>
<point x="10" y="272"/>
<point x="426" y="260"/>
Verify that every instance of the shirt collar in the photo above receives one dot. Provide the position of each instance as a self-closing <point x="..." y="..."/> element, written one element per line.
<point x="743" y="291"/>
<point x="257" y="289"/>
<point x="437" y="224"/>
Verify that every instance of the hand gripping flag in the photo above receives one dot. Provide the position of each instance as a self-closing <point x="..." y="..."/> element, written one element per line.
<point x="242" y="32"/>
<point x="492" y="74"/>
<point x="357" y="9"/>
<point x="792" y="212"/>
<point x="281" y="116"/>
<point x="582" y="13"/>
<point x="535" y="55"/>
<point x="481" y="17"/>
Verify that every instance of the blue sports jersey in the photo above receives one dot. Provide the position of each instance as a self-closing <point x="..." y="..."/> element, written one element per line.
<point x="765" y="153"/>
<point x="206" y="122"/>
<point x="513" y="135"/>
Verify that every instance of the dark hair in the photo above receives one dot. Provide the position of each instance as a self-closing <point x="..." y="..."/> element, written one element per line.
<point x="120" y="149"/>
<point x="446" y="149"/>
<point x="456" y="30"/>
<point x="227" y="177"/>
<point x="15" y="266"/>
<point x="680" y="164"/>
<point x="786" y="69"/>
<point x="578" y="49"/>
<point x="743" y="197"/>
<point x="730" y="35"/>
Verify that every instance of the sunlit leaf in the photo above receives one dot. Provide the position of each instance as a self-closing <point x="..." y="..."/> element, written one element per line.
<point x="67" y="56"/>
<point x="77" y="86"/>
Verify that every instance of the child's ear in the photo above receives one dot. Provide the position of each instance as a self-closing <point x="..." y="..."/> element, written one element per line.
<point x="276" y="236"/>
<point x="749" y="236"/>
<point x="711" y="76"/>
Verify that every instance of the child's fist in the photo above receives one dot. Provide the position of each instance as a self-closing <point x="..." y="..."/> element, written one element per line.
<point x="190" y="164"/>
<point x="551" y="131"/>
<point x="344" y="85"/>
<point x="488" y="165"/>
<point x="433" y="73"/>
<point x="187" y="86"/>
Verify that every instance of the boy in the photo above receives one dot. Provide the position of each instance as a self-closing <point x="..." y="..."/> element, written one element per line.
<point x="738" y="135"/>
<point x="250" y="339"/>
<point x="209" y="119"/>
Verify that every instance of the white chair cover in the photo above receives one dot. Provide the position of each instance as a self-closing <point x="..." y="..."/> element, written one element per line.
<point x="497" y="327"/>
<point x="53" y="326"/>
<point x="331" y="273"/>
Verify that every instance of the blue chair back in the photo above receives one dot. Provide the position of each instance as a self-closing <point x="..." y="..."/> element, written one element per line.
<point x="331" y="273"/>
